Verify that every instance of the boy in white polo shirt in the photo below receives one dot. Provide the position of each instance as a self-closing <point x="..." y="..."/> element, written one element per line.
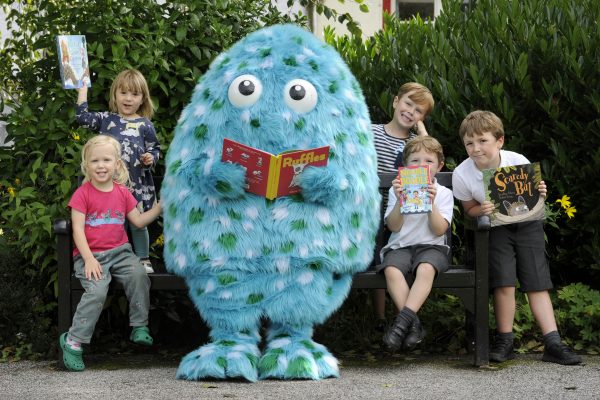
<point x="516" y="251"/>
<point x="417" y="245"/>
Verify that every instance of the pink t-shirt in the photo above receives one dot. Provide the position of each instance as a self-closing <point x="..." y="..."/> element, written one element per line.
<point x="105" y="214"/>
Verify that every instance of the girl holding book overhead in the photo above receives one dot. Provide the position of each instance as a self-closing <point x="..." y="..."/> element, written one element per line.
<point x="128" y="121"/>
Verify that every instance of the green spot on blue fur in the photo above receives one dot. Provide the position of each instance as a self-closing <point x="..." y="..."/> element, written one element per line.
<point x="313" y="64"/>
<point x="363" y="177"/>
<point x="174" y="167"/>
<point x="222" y="362"/>
<point x="268" y="362"/>
<point x="265" y="52"/>
<point x="254" y="298"/>
<point x="242" y="65"/>
<point x="291" y="61"/>
<point x="300" y="124"/>
<point x="206" y="93"/>
<point x="308" y="344"/>
<point x="298" y="40"/>
<point x="315" y="266"/>
<point x="340" y="138"/>
<point x="299" y="367"/>
<point x="266" y="251"/>
<point x="202" y="258"/>
<point x="200" y="132"/>
<point x="329" y="291"/>
<point x="196" y="216"/>
<point x="199" y="292"/>
<point x="171" y="246"/>
<point x="363" y="138"/>
<point x="224" y="62"/>
<point x="217" y="105"/>
<point x="287" y="247"/>
<point x="223" y="187"/>
<point x="281" y="336"/>
<point x="332" y="154"/>
<point x="318" y="355"/>
<point x="172" y="210"/>
<point x="333" y="87"/>
<point x="327" y="228"/>
<point x="352" y="251"/>
<point x="299" y="225"/>
<point x="226" y="279"/>
<point x="234" y="215"/>
<point x="355" y="220"/>
<point x="331" y="252"/>
<point x="227" y="240"/>
<point x="349" y="112"/>
<point x="255" y="123"/>
<point x="252" y="359"/>
<point x="226" y="343"/>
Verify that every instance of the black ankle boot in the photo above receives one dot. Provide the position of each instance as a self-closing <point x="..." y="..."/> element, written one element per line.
<point x="502" y="349"/>
<point x="394" y="337"/>
<point x="415" y="334"/>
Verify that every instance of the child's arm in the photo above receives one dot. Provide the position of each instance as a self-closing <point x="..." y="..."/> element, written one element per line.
<point x="92" y="266"/>
<point x="474" y="209"/>
<point x="437" y="223"/>
<point x="395" y="219"/>
<point x="421" y="131"/>
<point x="152" y="147"/>
<point x="141" y="220"/>
<point x="82" y="95"/>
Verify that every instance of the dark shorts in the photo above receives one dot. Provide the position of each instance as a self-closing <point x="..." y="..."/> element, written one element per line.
<point x="517" y="251"/>
<point x="407" y="259"/>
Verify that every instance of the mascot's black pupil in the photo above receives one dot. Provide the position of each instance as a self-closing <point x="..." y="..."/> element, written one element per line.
<point x="246" y="88"/>
<point x="297" y="92"/>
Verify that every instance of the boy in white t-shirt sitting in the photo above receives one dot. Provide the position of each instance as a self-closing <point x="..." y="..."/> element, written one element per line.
<point x="417" y="245"/>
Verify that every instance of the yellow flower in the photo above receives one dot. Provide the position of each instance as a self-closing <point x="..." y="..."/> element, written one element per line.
<point x="1" y="232"/>
<point x="75" y="135"/>
<point x="571" y="211"/>
<point x="11" y="192"/>
<point x="18" y="181"/>
<point x="564" y="202"/>
<point x="160" y="241"/>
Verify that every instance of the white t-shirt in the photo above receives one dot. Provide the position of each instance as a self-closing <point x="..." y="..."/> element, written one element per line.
<point x="467" y="179"/>
<point x="415" y="229"/>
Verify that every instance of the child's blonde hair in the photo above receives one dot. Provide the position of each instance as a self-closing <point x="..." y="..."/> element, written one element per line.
<point x="478" y="122"/>
<point x="132" y="80"/>
<point x="427" y="143"/>
<point x="121" y="174"/>
<point x="422" y="95"/>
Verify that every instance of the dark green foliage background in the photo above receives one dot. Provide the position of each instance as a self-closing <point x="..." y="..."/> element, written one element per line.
<point x="534" y="63"/>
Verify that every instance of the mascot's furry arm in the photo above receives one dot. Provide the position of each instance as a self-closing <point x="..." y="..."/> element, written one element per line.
<point x="324" y="185"/>
<point x="218" y="179"/>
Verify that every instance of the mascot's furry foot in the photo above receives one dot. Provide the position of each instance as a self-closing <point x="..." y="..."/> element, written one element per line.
<point x="291" y="354"/>
<point x="232" y="356"/>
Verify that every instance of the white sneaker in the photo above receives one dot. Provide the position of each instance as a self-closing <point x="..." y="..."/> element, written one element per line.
<point x="147" y="266"/>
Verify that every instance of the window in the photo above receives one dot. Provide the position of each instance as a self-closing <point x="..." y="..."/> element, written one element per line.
<point x="425" y="8"/>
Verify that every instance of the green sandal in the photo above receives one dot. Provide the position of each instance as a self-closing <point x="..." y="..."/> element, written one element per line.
<point x="71" y="357"/>
<point x="141" y="335"/>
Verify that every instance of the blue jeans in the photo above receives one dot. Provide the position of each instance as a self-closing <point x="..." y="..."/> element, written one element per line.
<point x="119" y="263"/>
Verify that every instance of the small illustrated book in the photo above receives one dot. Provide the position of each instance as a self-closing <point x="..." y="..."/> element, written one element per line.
<point x="415" y="180"/>
<point x="515" y="193"/>
<point x="272" y="175"/>
<point x="73" y="61"/>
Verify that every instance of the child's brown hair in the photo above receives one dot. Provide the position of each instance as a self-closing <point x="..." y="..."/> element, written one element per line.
<point x="479" y="122"/>
<point x="422" y="95"/>
<point x="132" y="80"/>
<point x="428" y="143"/>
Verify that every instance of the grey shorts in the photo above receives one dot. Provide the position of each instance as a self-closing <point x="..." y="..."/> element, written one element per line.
<point x="517" y="251"/>
<point x="407" y="259"/>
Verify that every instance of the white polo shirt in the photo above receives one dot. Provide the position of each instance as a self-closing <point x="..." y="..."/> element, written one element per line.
<point x="467" y="179"/>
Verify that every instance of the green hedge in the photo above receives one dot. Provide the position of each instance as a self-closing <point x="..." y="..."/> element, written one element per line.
<point x="535" y="64"/>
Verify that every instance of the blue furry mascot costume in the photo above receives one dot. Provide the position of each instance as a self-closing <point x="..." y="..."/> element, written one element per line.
<point x="288" y="262"/>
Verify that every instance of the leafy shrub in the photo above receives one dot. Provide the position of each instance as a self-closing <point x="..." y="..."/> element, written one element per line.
<point x="535" y="64"/>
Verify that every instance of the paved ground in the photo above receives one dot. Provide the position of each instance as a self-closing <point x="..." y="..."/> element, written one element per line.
<point x="420" y="377"/>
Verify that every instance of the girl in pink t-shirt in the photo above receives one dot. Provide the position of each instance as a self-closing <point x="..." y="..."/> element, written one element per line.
<point x="98" y="212"/>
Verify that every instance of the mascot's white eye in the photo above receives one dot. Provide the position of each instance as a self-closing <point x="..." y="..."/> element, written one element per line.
<point x="300" y="95"/>
<point x="244" y="91"/>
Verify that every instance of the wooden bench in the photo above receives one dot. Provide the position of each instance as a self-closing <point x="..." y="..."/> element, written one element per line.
<point x="469" y="282"/>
